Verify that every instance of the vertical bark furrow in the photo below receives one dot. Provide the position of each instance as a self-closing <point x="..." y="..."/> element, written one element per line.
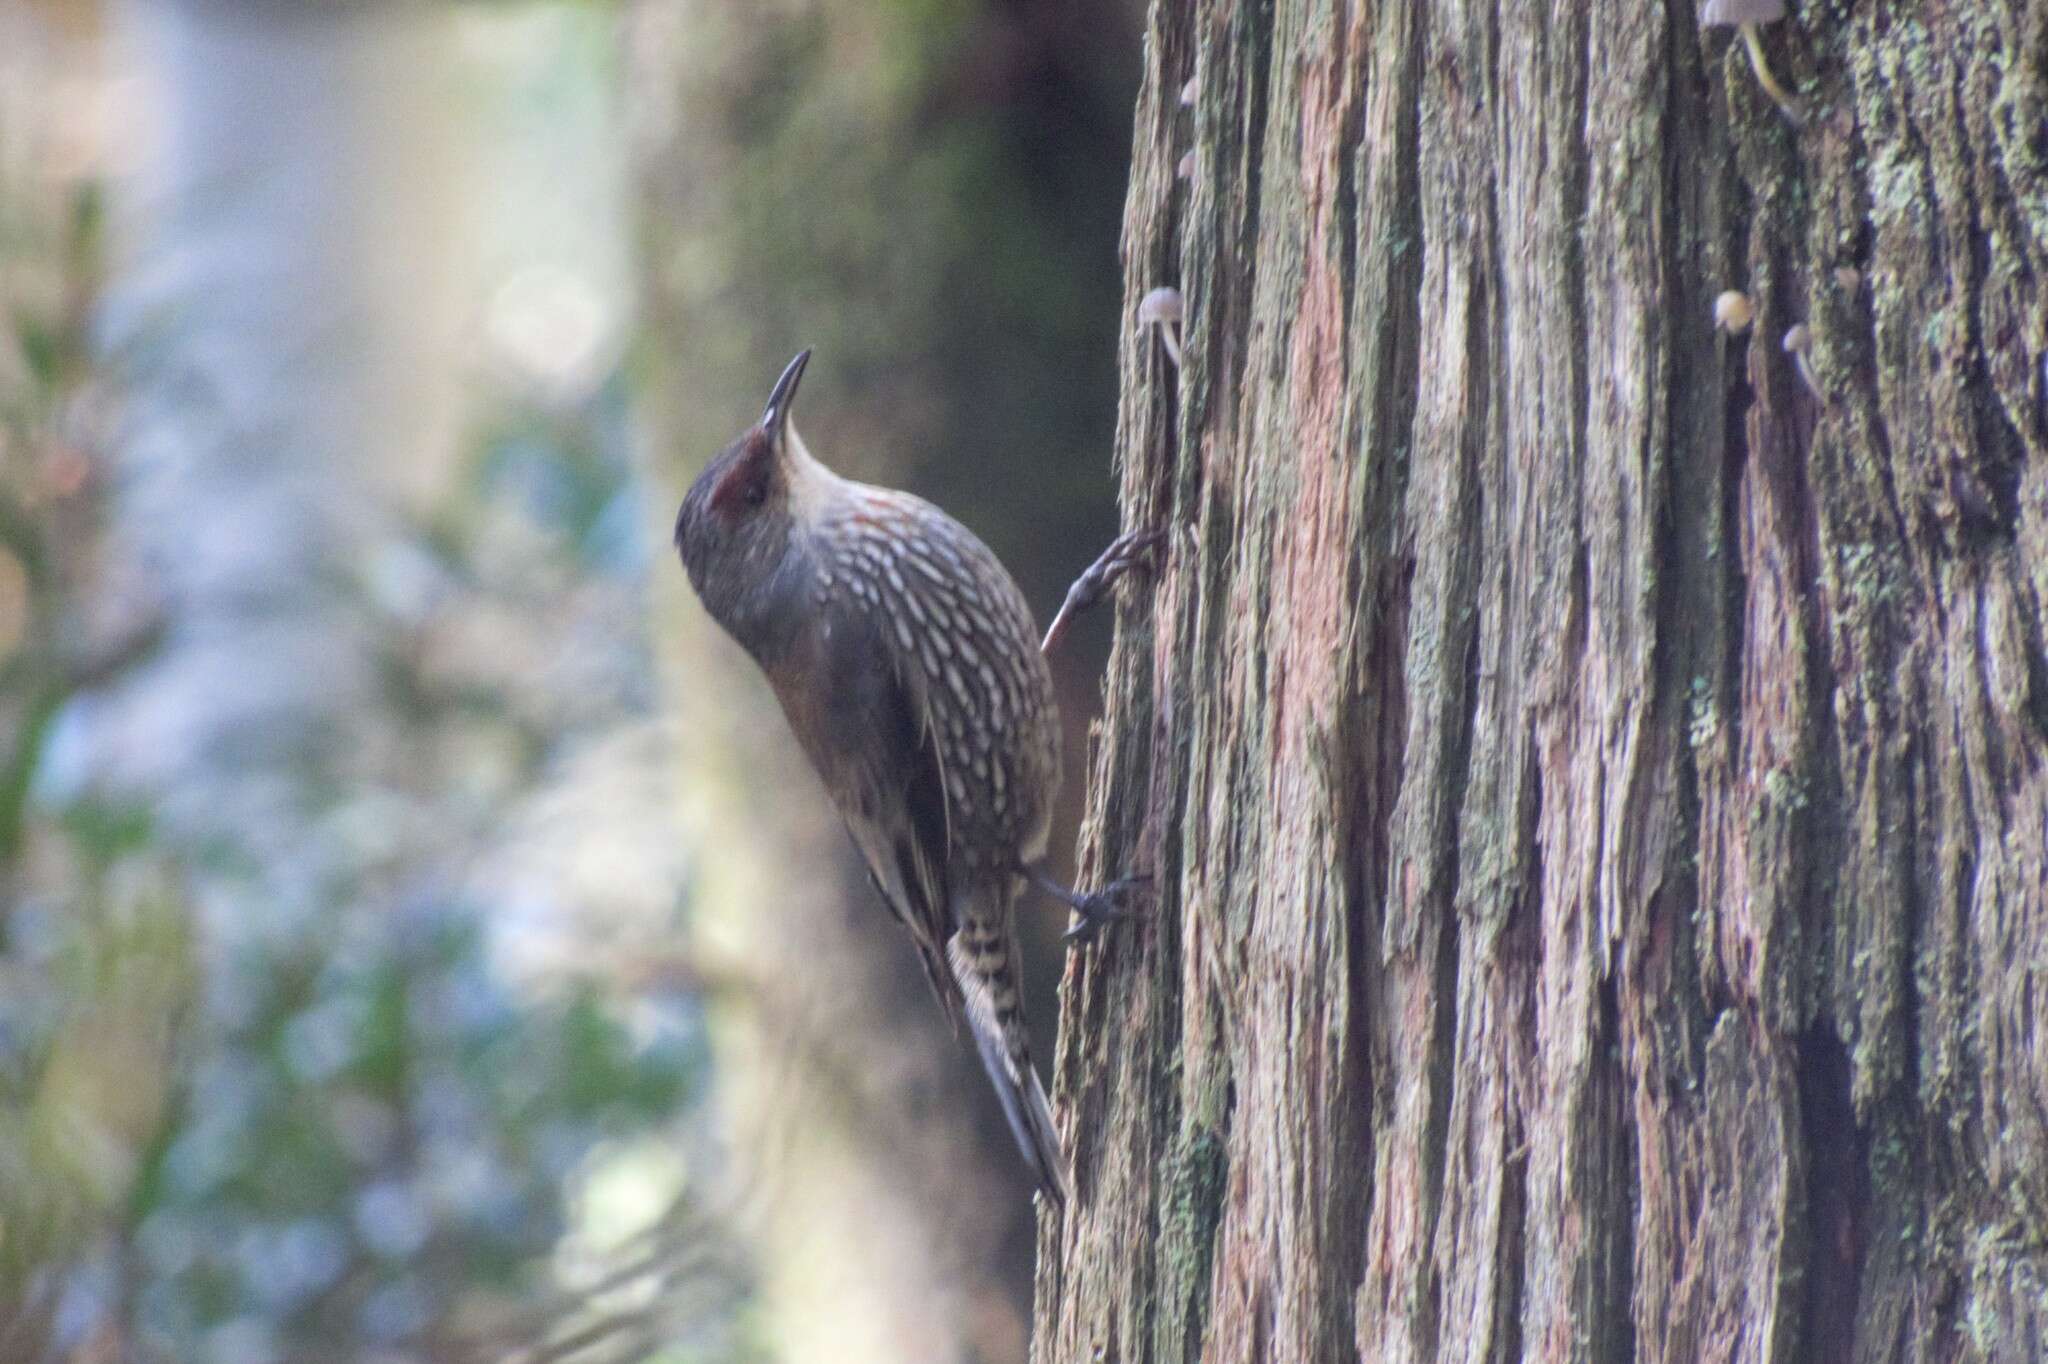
<point x="1292" y="1240"/>
<point x="1418" y="1026"/>
<point x="1406" y="1302"/>
<point x="1124" y="1004"/>
<point x="1836" y="1216"/>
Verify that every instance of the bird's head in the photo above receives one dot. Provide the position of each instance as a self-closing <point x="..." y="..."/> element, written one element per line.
<point x="737" y="526"/>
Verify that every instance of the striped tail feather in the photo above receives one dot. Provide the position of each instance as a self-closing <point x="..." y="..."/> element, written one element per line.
<point x="998" y="1027"/>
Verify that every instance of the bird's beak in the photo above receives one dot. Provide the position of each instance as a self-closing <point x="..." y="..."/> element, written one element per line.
<point x="783" y="396"/>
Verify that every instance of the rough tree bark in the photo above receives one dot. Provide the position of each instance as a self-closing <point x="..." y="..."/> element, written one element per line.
<point x="1595" y="784"/>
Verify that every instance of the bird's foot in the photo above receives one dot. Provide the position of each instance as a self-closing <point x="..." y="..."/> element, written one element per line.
<point x="1125" y="553"/>
<point x="1093" y="911"/>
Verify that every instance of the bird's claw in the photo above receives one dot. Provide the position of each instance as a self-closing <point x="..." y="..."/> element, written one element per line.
<point x="1125" y="553"/>
<point x="1092" y="912"/>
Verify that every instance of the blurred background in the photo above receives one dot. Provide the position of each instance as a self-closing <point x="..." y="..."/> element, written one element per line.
<point x="419" y="939"/>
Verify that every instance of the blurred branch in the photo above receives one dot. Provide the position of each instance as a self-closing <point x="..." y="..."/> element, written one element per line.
<point x="685" y="1246"/>
<point x="95" y="663"/>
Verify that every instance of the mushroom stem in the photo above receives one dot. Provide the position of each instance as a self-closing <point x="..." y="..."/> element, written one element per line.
<point x="1812" y="384"/>
<point x="1795" y="344"/>
<point x="1161" y="308"/>
<point x="1786" y="104"/>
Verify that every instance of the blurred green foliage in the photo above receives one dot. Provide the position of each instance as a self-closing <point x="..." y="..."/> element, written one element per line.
<point x="361" y="1142"/>
<point x="232" y="1133"/>
<point x="383" y="1133"/>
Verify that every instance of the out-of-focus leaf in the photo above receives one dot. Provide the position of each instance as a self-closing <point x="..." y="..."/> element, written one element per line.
<point x="17" y="777"/>
<point x="75" y="1143"/>
<point x="42" y="349"/>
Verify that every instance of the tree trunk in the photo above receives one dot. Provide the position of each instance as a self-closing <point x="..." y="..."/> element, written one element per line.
<point x="872" y="181"/>
<point x="286" y="325"/>
<point x="1594" y="777"/>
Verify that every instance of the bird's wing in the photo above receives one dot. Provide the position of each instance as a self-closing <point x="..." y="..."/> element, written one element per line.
<point x="906" y="853"/>
<point x="868" y="738"/>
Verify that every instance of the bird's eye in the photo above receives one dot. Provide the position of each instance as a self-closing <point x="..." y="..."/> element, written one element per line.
<point x="743" y="488"/>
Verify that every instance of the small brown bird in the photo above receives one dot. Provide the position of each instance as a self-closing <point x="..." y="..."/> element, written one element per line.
<point x="907" y="662"/>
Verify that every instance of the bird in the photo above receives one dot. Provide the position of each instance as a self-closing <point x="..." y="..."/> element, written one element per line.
<point x="908" y="664"/>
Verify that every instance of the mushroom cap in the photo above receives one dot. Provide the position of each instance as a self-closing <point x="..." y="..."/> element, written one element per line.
<point x="1727" y="13"/>
<point x="1732" y="312"/>
<point x="1161" y="305"/>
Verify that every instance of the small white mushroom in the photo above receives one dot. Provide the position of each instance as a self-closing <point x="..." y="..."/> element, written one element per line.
<point x="1188" y="92"/>
<point x="1161" y="308"/>
<point x="1745" y="16"/>
<point x="1186" y="169"/>
<point x="1732" y="312"/>
<point x="1795" y="343"/>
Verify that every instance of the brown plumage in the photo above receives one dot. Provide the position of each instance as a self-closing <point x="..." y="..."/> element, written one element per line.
<point x="907" y="662"/>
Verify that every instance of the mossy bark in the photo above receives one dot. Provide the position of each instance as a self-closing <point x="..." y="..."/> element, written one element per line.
<point x="1596" y="781"/>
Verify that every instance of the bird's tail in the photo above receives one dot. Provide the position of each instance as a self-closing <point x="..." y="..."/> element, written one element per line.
<point x="996" y="1018"/>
